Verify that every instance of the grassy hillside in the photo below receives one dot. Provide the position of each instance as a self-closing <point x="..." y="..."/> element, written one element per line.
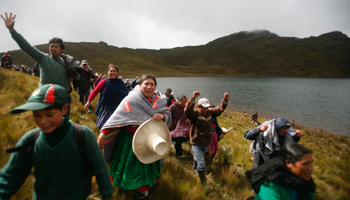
<point x="225" y="171"/>
<point x="256" y="53"/>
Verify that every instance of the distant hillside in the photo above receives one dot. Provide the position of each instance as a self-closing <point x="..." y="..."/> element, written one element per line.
<point x="256" y="53"/>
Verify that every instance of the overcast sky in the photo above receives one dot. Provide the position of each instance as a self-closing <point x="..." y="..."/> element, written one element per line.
<point x="156" y="24"/>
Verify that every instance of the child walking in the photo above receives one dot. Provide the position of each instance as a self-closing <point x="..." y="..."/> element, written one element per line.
<point x="61" y="171"/>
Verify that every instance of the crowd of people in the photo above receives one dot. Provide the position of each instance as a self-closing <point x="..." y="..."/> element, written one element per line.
<point x="137" y="127"/>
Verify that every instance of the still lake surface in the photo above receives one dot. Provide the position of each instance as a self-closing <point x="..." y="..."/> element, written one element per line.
<point x="321" y="103"/>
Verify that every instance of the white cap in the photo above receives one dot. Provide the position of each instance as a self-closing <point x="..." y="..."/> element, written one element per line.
<point x="204" y="102"/>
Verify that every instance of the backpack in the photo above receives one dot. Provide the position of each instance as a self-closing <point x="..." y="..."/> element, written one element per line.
<point x="78" y="137"/>
<point x="72" y="69"/>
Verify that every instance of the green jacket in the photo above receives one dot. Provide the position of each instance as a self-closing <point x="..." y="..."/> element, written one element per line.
<point x="275" y="191"/>
<point x="51" y="71"/>
<point x="60" y="171"/>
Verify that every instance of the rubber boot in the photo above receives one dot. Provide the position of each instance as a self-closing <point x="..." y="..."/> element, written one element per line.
<point x="194" y="166"/>
<point x="203" y="178"/>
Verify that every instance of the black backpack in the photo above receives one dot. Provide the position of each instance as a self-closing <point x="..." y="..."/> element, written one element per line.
<point x="78" y="137"/>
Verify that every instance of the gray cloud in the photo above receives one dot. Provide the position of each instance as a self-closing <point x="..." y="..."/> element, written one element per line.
<point x="156" y="24"/>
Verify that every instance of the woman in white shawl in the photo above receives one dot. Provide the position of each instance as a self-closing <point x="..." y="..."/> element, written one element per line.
<point x="126" y="171"/>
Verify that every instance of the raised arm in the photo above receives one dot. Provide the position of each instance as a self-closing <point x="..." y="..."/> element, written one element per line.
<point x="190" y="105"/>
<point x="221" y="107"/>
<point x="22" y="43"/>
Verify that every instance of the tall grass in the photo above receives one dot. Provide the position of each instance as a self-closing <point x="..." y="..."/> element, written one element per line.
<point x="225" y="172"/>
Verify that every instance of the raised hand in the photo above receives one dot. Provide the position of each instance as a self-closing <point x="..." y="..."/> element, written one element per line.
<point x="226" y="96"/>
<point x="9" y="21"/>
<point x="196" y="94"/>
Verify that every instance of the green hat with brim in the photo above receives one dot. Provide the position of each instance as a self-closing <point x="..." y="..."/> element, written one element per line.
<point x="44" y="97"/>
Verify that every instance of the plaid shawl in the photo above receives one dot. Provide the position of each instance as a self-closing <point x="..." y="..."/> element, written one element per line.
<point x="133" y="110"/>
<point x="181" y="129"/>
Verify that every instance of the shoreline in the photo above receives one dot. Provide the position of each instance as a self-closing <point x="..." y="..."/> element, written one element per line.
<point x="265" y="118"/>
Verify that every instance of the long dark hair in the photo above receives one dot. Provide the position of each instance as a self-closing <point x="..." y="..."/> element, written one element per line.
<point x="147" y="76"/>
<point x="293" y="152"/>
<point x="276" y="170"/>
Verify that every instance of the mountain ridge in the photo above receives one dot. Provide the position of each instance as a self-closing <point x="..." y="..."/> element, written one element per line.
<point x="254" y="53"/>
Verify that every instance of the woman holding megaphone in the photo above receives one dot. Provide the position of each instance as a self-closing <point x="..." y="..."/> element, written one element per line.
<point x="136" y="137"/>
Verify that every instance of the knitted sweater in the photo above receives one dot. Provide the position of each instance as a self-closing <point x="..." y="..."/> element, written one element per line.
<point x="51" y="71"/>
<point x="60" y="172"/>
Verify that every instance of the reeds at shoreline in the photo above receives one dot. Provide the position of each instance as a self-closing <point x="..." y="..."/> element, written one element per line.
<point x="225" y="171"/>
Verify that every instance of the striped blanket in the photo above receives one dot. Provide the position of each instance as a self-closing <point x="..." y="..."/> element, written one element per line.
<point x="133" y="110"/>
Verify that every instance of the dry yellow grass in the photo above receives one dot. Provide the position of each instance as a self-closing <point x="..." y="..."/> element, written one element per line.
<point x="225" y="173"/>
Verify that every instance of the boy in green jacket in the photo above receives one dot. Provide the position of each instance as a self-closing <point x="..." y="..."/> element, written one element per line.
<point x="61" y="171"/>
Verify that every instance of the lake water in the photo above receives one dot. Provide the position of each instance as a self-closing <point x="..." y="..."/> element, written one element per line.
<point x="321" y="103"/>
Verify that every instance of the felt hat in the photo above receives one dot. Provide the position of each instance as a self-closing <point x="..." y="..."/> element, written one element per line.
<point x="43" y="97"/>
<point x="152" y="141"/>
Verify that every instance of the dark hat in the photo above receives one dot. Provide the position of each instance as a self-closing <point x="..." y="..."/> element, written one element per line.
<point x="281" y="122"/>
<point x="43" y="97"/>
<point x="168" y="90"/>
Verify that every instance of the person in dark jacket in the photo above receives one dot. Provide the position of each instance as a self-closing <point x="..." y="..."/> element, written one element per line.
<point x="170" y="98"/>
<point x="287" y="177"/>
<point x="36" y="70"/>
<point x="255" y="118"/>
<point x="127" y="84"/>
<point x="269" y="138"/>
<point x="84" y="84"/>
<point x="135" y="82"/>
<point x="201" y="132"/>
<point x="6" y="61"/>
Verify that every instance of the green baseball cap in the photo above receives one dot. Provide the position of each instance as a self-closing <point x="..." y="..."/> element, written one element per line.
<point x="43" y="97"/>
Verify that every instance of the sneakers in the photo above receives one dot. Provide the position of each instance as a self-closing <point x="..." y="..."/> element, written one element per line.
<point x="141" y="195"/>
<point x="89" y="111"/>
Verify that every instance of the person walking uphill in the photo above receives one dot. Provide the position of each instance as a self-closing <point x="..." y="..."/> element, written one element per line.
<point x="201" y="129"/>
<point x="56" y="68"/>
<point x="84" y="84"/>
<point x="113" y="91"/>
<point x="127" y="170"/>
<point x="180" y="126"/>
<point x="61" y="169"/>
<point x="269" y="138"/>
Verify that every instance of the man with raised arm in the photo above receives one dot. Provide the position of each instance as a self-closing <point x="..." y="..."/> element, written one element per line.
<point x="56" y="67"/>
